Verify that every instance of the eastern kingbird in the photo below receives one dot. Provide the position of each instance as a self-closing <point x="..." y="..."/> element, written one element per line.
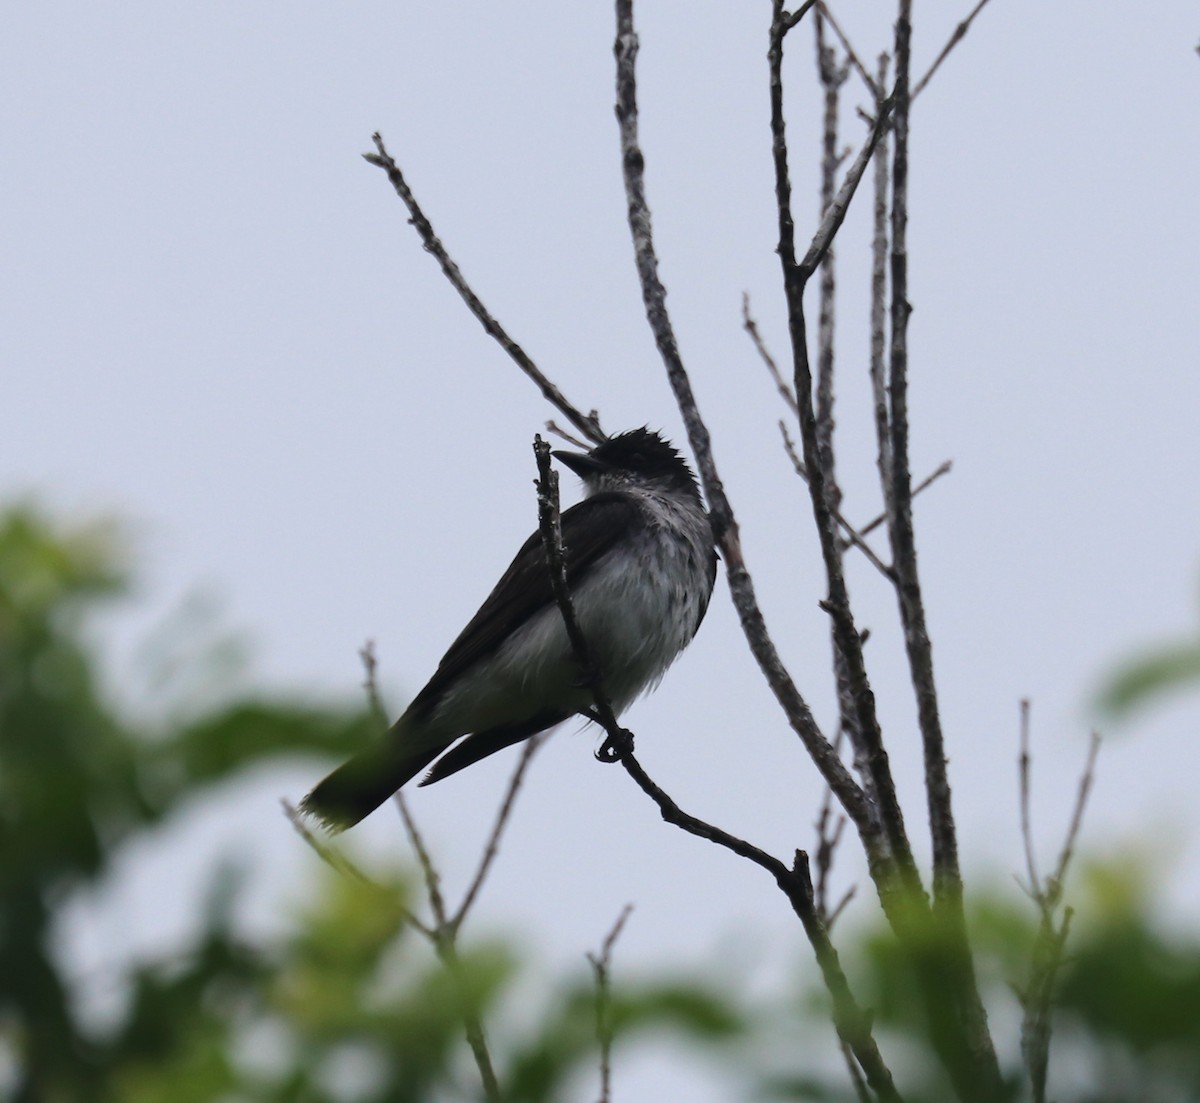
<point x="640" y="567"/>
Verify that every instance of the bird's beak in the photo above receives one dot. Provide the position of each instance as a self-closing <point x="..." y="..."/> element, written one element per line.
<point x="582" y="463"/>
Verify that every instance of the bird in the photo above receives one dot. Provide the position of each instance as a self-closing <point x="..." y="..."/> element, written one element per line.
<point x="640" y="566"/>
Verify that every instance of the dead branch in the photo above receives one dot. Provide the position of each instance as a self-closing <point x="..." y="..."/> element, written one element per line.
<point x="960" y="32"/>
<point x="725" y="529"/>
<point x="587" y="424"/>
<point x="601" y="964"/>
<point x="1049" y="944"/>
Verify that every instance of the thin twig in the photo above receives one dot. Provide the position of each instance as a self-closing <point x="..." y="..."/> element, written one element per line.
<point x="587" y="424"/>
<point x="943" y="468"/>
<point x="827" y="844"/>
<point x="1049" y="945"/>
<point x="371" y="683"/>
<point x="841" y="906"/>
<point x="960" y="32"/>
<point x="601" y="964"/>
<point x="1023" y="770"/>
<point x="341" y="864"/>
<point x="447" y="951"/>
<point x="553" y="427"/>
<point x="836" y="213"/>
<point x="852" y="1023"/>
<point x="876" y="88"/>
<point x="781" y="384"/>
<point x="443" y="935"/>
<point x="492" y="848"/>
<point x="550" y="525"/>
<point x="853" y="537"/>
<point x="1055" y="886"/>
<point x="947" y="879"/>
<point x="433" y="881"/>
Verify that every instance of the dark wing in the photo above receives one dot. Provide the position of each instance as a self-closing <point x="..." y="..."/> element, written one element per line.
<point x="589" y="530"/>
<point x="482" y="744"/>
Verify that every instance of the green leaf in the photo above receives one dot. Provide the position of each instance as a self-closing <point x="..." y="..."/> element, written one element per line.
<point x="1151" y="676"/>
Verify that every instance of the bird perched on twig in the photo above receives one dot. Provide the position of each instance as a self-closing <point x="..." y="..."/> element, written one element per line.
<point x="640" y="567"/>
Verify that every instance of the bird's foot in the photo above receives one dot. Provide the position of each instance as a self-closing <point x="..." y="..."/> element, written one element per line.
<point x="616" y="746"/>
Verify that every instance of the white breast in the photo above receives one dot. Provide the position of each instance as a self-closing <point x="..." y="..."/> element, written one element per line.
<point x="637" y="617"/>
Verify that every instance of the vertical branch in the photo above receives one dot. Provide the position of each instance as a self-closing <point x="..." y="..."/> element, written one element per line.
<point x="879" y="256"/>
<point x="724" y="524"/>
<point x="795" y="277"/>
<point x="947" y="882"/>
<point x="443" y="935"/>
<point x="962" y="1021"/>
<point x="832" y="77"/>
<point x="601" y="964"/>
<point x="1050" y="942"/>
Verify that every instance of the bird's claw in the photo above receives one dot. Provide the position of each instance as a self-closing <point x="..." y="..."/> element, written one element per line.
<point x="616" y="746"/>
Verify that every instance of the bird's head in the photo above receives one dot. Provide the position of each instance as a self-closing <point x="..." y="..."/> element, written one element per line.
<point x="638" y="459"/>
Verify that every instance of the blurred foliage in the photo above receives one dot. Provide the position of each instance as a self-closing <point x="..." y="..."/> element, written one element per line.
<point x="351" y="1006"/>
<point x="1161" y="671"/>
<point x="1126" y="1022"/>
<point x="348" y="1006"/>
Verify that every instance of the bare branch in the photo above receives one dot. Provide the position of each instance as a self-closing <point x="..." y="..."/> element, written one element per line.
<point x="341" y="864"/>
<point x="853" y="537"/>
<point x="601" y="964"/>
<point x="943" y="468"/>
<point x="781" y="384"/>
<point x="960" y="32"/>
<point x="557" y="430"/>
<point x="852" y="1023"/>
<point x="966" y="1045"/>
<point x="371" y="684"/>
<point x="832" y="77"/>
<point x="725" y="529"/>
<point x="550" y="524"/>
<point x="846" y="635"/>
<point x="899" y="498"/>
<point x="587" y="424"/>
<point x="792" y="19"/>
<point x="1055" y="886"/>
<point x="433" y="881"/>
<point x="879" y="256"/>
<point x="492" y="847"/>
<point x="836" y="214"/>
<point x="875" y="87"/>
<point x="828" y="838"/>
<point x="1049" y="945"/>
<point x="443" y="934"/>
<point x="1024" y="763"/>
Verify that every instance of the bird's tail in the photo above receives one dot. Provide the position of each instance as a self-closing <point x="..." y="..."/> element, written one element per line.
<point x="361" y="784"/>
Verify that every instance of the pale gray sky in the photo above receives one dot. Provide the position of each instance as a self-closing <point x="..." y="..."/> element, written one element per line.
<point x="216" y="322"/>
